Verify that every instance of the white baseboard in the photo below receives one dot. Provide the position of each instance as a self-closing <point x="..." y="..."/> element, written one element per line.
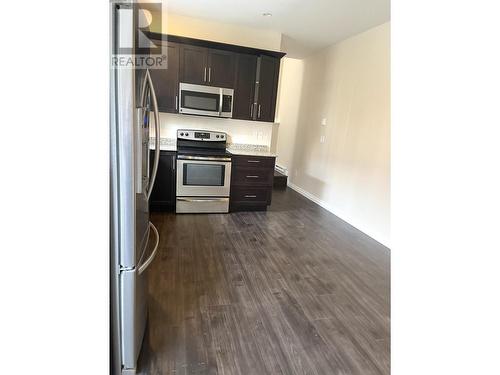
<point x="376" y="236"/>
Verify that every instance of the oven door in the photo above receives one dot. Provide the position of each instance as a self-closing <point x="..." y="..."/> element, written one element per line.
<point x="203" y="176"/>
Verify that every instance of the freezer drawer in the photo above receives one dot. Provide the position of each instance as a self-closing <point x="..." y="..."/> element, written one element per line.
<point x="133" y="310"/>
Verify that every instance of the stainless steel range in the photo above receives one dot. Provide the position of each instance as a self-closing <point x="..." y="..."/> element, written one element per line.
<point x="203" y="172"/>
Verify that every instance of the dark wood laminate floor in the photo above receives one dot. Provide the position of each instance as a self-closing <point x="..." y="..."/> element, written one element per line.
<point x="293" y="290"/>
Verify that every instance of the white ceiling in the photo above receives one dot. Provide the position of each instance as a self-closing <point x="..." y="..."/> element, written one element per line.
<point x="310" y="23"/>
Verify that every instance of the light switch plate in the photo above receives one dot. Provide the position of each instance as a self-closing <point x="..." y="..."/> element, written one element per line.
<point x="323" y="122"/>
<point x="322" y="139"/>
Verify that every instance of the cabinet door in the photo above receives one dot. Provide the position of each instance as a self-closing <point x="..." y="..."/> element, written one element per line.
<point x="244" y="88"/>
<point x="194" y="67"/>
<point x="267" y="71"/>
<point x="166" y="81"/>
<point x="221" y="68"/>
<point x="163" y="194"/>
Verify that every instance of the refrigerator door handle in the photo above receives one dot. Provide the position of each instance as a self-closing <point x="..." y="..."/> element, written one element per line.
<point x="157" y="135"/>
<point x="145" y="265"/>
<point x="142" y="177"/>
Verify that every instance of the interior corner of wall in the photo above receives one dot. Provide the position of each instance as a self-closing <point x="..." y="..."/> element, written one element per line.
<point x="281" y="41"/>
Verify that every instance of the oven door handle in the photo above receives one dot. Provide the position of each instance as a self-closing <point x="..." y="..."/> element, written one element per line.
<point x="202" y="199"/>
<point x="204" y="158"/>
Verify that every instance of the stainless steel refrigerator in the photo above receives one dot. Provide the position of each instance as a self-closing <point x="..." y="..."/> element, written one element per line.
<point x="134" y="239"/>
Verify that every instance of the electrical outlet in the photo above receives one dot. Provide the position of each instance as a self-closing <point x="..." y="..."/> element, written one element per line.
<point x="322" y="139"/>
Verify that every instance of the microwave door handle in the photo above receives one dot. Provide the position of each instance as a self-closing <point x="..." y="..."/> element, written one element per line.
<point x="157" y="135"/>
<point x="220" y="102"/>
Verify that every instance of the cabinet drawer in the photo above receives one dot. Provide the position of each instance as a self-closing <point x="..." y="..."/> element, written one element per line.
<point x="253" y="161"/>
<point x="252" y="176"/>
<point x="251" y="195"/>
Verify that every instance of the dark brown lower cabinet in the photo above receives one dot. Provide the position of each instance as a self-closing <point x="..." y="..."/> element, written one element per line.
<point x="163" y="194"/>
<point x="251" y="183"/>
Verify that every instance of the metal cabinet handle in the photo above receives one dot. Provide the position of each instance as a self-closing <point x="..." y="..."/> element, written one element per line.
<point x="258" y="112"/>
<point x="253" y="161"/>
<point x="250" y="196"/>
<point x="157" y="135"/>
<point x="205" y="74"/>
<point x="145" y="265"/>
<point x="251" y="110"/>
<point x="176" y="103"/>
<point x="251" y="176"/>
<point x="209" y="74"/>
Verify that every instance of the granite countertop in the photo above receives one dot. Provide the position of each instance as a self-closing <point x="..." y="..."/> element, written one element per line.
<point x="170" y="144"/>
<point x="166" y="144"/>
<point x="251" y="152"/>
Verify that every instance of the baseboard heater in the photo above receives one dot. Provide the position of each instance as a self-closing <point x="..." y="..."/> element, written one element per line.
<point x="281" y="169"/>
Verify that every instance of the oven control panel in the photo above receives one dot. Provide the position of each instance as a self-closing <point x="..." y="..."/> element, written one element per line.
<point x="201" y="135"/>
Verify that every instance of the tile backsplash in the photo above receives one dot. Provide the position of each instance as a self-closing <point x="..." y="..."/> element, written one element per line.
<point x="239" y="131"/>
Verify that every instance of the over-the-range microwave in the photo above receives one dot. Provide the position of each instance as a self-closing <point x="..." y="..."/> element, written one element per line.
<point x="205" y="100"/>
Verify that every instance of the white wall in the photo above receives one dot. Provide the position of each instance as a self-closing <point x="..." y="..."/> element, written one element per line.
<point x="288" y="106"/>
<point x="348" y="84"/>
<point x="221" y="32"/>
<point x="239" y="131"/>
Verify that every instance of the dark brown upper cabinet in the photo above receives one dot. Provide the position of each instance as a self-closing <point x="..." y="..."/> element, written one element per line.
<point x="166" y="81"/>
<point x="244" y="86"/>
<point x="266" y="88"/>
<point x="221" y="67"/>
<point x="193" y="65"/>
<point x="207" y="66"/>
<point x="252" y="73"/>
